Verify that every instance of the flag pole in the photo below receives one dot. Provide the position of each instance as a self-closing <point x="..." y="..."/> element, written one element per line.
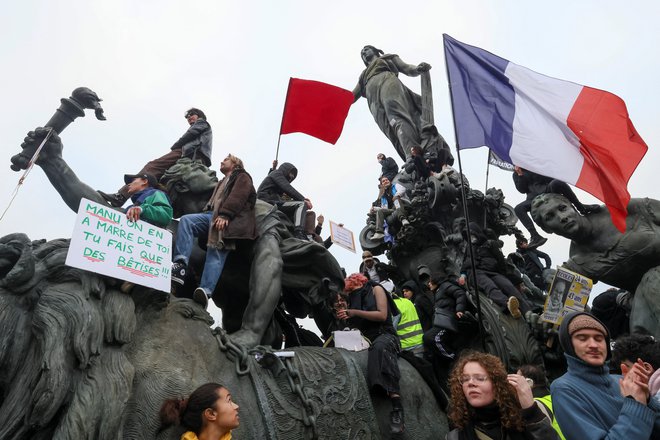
<point x="486" y="186"/>
<point x="466" y="213"/>
<point x="279" y="136"/>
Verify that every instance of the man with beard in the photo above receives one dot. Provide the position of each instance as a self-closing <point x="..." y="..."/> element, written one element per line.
<point x="591" y="404"/>
<point x="228" y="216"/>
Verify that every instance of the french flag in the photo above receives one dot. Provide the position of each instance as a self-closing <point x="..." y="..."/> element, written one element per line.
<point x="577" y="134"/>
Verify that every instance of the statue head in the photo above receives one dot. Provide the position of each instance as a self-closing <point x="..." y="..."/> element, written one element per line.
<point x="555" y="214"/>
<point x="189" y="185"/>
<point x="369" y="53"/>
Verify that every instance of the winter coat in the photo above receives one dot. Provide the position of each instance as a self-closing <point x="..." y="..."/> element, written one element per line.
<point x="276" y="183"/>
<point x="536" y="427"/>
<point x="155" y="206"/>
<point x="450" y="296"/>
<point x="197" y="142"/>
<point x="588" y="404"/>
<point x="423" y="303"/>
<point x="531" y="183"/>
<point x="389" y="168"/>
<point x="234" y="198"/>
<point x="381" y="270"/>
<point x="487" y="253"/>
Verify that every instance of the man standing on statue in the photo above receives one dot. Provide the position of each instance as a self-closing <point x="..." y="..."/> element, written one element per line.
<point x="228" y="216"/>
<point x="196" y="143"/>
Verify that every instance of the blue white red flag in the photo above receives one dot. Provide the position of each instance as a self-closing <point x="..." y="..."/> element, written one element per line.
<point x="577" y="134"/>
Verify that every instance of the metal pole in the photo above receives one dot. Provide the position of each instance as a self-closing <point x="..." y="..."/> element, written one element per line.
<point x="279" y="136"/>
<point x="486" y="186"/>
<point x="466" y="214"/>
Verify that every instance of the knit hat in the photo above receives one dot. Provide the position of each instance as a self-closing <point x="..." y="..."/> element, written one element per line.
<point x="579" y="321"/>
<point x="582" y="322"/>
<point x="366" y="255"/>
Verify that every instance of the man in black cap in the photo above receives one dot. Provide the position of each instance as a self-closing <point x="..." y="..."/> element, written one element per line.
<point x="588" y="402"/>
<point x="149" y="203"/>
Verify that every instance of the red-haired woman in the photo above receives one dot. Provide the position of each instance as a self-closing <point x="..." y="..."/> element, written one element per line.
<point x="486" y="403"/>
<point x="208" y="414"/>
<point x="369" y="310"/>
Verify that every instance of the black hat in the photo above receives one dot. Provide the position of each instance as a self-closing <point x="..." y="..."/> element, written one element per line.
<point x="151" y="179"/>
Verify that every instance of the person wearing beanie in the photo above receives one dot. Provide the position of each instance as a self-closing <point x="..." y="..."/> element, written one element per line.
<point x="591" y="404"/>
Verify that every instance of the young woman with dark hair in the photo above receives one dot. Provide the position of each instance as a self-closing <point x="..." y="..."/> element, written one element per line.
<point x="209" y="413"/>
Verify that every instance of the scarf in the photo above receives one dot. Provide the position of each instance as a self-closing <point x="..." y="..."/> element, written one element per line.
<point x="189" y="435"/>
<point x="487" y="420"/>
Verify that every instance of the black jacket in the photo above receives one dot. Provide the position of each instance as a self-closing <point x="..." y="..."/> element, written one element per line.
<point x="450" y="296"/>
<point x="531" y="183"/>
<point x="423" y="304"/>
<point x="487" y="253"/>
<point x="276" y="183"/>
<point x="197" y="142"/>
<point x="389" y="168"/>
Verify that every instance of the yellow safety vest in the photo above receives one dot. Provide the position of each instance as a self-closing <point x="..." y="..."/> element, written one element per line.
<point x="409" y="329"/>
<point x="547" y="401"/>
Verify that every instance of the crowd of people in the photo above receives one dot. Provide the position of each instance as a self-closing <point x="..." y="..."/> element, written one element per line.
<point x="421" y="318"/>
<point x="486" y="402"/>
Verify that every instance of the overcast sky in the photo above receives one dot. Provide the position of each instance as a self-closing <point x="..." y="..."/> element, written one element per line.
<point x="152" y="60"/>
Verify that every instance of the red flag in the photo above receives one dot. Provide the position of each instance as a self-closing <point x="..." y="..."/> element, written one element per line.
<point x="315" y="108"/>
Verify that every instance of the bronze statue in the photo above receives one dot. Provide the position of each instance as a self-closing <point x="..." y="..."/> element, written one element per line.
<point x="81" y="359"/>
<point x="405" y="117"/>
<point x="70" y="108"/>
<point x="599" y="251"/>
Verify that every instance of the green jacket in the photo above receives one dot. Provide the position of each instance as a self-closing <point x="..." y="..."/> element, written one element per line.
<point x="408" y="329"/>
<point x="156" y="207"/>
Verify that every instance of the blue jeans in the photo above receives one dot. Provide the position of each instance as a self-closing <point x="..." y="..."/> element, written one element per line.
<point x="190" y="227"/>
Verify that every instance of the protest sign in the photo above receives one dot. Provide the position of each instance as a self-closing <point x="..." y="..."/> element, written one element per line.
<point x="568" y="293"/>
<point x="342" y="237"/>
<point x="105" y="242"/>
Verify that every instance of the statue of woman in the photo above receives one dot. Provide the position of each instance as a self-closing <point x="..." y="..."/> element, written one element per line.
<point x="396" y="109"/>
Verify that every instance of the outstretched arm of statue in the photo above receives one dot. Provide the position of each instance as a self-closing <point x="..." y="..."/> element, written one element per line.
<point x="357" y="92"/>
<point x="265" y="290"/>
<point x="410" y="69"/>
<point x="61" y="176"/>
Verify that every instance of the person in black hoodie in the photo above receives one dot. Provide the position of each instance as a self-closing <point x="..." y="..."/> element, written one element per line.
<point x="423" y="303"/>
<point x="276" y="189"/>
<point x="450" y="302"/>
<point x="490" y="272"/>
<point x="388" y="165"/>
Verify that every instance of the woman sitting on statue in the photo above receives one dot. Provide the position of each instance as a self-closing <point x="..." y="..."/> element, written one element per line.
<point x="369" y="309"/>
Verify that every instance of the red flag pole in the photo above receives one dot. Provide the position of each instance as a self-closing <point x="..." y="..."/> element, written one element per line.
<point x="279" y="137"/>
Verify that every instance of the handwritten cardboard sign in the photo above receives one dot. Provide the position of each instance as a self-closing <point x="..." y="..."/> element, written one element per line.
<point x="342" y="237"/>
<point x="105" y="242"/>
<point x="569" y="292"/>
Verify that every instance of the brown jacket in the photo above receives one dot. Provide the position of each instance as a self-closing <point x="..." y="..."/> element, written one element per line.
<point x="233" y="198"/>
